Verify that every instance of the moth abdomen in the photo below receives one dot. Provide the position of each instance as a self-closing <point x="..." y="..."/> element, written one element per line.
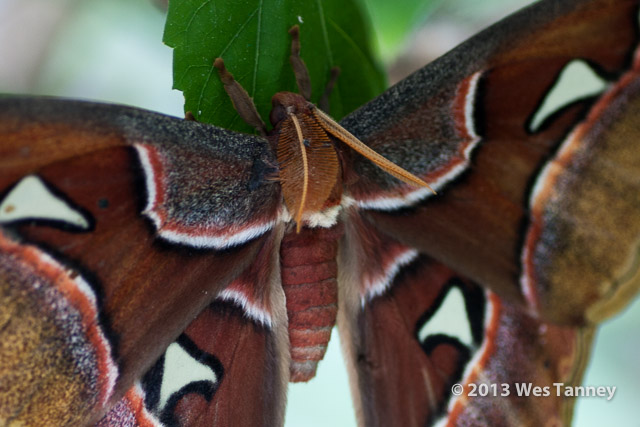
<point x="309" y="271"/>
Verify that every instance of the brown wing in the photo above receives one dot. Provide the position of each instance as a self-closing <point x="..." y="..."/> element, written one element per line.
<point x="158" y="228"/>
<point x="229" y="367"/>
<point x="242" y="380"/>
<point x="242" y="338"/>
<point x="472" y="124"/>
<point x="415" y="334"/>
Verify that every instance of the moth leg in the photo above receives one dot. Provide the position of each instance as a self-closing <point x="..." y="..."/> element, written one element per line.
<point x="324" y="101"/>
<point x="240" y="99"/>
<point x="298" y="65"/>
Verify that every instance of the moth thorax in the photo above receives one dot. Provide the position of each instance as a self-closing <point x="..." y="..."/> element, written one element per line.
<point x="309" y="271"/>
<point x="309" y="166"/>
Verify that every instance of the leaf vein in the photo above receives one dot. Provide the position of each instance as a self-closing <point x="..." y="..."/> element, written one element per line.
<point x="325" y="34"/>
<point x="257" y="55"/>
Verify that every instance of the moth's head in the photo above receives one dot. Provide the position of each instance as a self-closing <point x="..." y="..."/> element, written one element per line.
<point x="286" y="103"/>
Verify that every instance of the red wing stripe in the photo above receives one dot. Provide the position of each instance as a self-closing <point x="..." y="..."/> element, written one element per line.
<point x="220" y="236"/>
<point x="463" y="110"/>
<point x="79" y="295"/>
<point x="130" y="411"/>
<point x="375" y="286"/>
<point x="544" y="193"/>
<point x="479" y="360"/>
<point x="253" y="309"/>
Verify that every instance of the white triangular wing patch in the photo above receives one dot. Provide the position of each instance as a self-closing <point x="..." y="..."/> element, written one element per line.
<point x="450" y="319"/>
<point x="576" y="81"/>
<point x="180" y="369"/>
<point x="31" y="199"/>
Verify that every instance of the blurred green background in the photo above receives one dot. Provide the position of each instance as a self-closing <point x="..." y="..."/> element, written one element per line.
<point x="111" y="50"/>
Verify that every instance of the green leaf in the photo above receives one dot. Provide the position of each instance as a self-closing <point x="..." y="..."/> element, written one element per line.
<point x="252" y="38"/>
